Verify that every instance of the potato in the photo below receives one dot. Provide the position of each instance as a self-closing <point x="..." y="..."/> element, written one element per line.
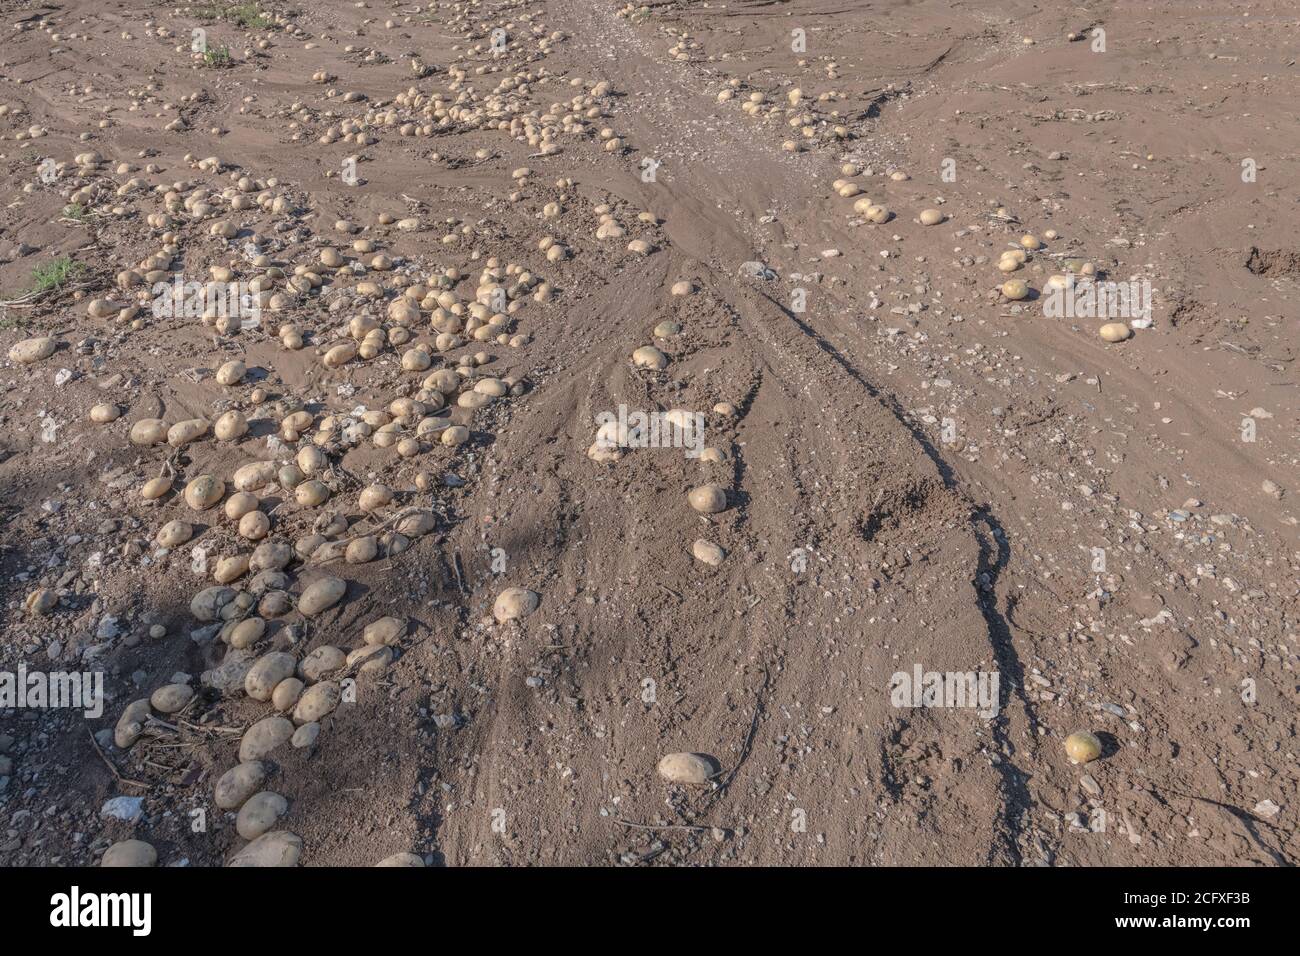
<point x="687" y="768"/>
<point x="148" y="431"/>
<point x="204" y="491"/>
<point x="707" y="499"/>
<point x="240" y="504"/>
<point x="1114" y="332"/>
<point x="417" y="524"/>
<point x="231" y="373"/>
<point x="130" y="725"/>
<point x="104" y="413"/>
<point x="514" y="604"/>
<point x="1015" y="289"/>
<point x="312" y="493"/>
<point x="155" y="488"/>
<point x="254" y="475"/>
<point x="321" y="661"/>
<point x="174" y="533"/>
<point x="339" y="355"/>
<point x="286" y="693"/>
<point x="231" y="569"/>
<point x="298" y="421"/>
<point x="129" y="853"/>
<point x="362" y="550"/>
<point x="372" y="659"/>
<point x="267" y="672"/>
<point x="649" y="357"/>
<point x="264" y="737"/>
<point x="930" y="217"/>
<point x="444" y="380"/>
<point x="707" y="552"/>
<point x="374" y="496"/>
<point x="278" y="848"/>
<point x="247" y="632"/>
<point x="32" y="350"/>
<point x="455" y="435"/>
<point x="386" y="630"/>
<point x="259" y="813"/>
<point x="238" y="783"/>
<point x="254" y="526"/>
<point x="182" y="433"/>
<point x="171" y="698"/>
<point x="271" y="556"/>
<point x="321" y="595"/>
<point x="41" y="601"/>
<point x="230" y="426"/>
<point x="312" y="460"/>
<point x="317" y="703"/>
<point x="1082" y="747"/>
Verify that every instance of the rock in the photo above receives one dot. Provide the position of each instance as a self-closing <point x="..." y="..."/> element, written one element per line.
<point x="207" y="604"/>
<point x="229" y="676"/>
<point x="129" y="809"/>
<point x="688" y="768"/>
<point x="1267" y="809"/>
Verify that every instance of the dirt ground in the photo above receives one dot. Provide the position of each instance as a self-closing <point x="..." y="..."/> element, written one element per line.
<point x="921" y="472"/>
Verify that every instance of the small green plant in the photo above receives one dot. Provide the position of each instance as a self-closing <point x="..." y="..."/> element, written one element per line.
<point x="217" y="57"/>
<point x="75" y="211"/>
<point x="55" y="274"/>
<point x="247" y="15"/>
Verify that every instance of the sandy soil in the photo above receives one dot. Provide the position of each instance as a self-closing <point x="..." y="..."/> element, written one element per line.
<point x="919" y="471"/>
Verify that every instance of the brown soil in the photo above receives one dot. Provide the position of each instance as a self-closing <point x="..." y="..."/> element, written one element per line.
<point x="862" y="537"/>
